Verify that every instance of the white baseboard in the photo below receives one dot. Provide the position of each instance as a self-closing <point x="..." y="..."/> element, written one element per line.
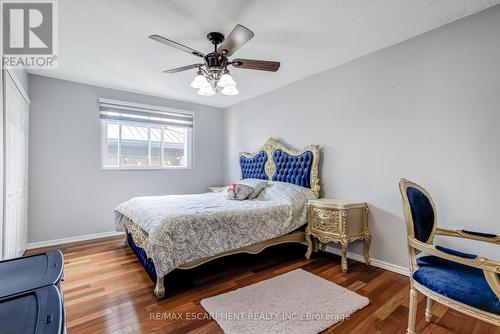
<point x="374" y="262"/>
<point x="72" y="239"/>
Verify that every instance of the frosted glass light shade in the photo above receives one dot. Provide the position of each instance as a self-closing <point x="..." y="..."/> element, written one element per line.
<point x="206" y="91"/>
<point x="230" y="90"/>
<point x="199" y="81"/>
<point x="226" y="80"/>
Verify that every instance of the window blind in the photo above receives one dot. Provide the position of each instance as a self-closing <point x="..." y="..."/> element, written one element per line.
<point x="131" y="112"/>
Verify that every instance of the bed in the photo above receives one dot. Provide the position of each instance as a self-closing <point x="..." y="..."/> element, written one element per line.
<point x="185" y="231"/>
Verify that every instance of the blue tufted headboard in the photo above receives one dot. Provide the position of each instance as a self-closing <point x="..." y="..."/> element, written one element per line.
<point x="253" y="167"/>
<point x="277" y="162"/>
<point x="293" y="169"/>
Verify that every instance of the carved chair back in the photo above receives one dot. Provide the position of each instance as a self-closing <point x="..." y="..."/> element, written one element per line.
<point x="419" y="213"/>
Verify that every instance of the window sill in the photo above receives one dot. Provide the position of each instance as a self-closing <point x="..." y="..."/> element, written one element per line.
<point x="143" y="168"/>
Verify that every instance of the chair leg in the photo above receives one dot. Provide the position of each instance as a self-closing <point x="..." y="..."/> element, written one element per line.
<point x="412" y="314"/>
<point x="428" y="310"/>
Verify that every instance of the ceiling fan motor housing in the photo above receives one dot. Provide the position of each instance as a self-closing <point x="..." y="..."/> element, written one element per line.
<point x="215" y="62"/>
<point x="215" y="37"/>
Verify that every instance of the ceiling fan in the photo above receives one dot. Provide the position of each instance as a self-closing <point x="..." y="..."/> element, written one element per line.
<point x="213" y="74"/>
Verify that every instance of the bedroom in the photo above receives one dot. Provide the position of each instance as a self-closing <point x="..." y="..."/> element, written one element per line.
<point x="353" y="97"/>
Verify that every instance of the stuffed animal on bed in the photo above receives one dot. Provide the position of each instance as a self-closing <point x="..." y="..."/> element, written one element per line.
<point x="238" y="191"/>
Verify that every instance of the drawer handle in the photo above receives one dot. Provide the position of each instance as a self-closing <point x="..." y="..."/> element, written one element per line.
<point x="323" y="216"/>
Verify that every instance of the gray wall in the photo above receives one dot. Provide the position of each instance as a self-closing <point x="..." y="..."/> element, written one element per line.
<point x="69" y="193"/>
<point x="426" y="109"/>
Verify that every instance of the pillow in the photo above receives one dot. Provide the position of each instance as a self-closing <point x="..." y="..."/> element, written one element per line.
<point x="257" y="184"/>
<point x="238" y="191"/>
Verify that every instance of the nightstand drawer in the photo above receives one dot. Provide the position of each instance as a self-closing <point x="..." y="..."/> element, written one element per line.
<point x="325" y="220"/>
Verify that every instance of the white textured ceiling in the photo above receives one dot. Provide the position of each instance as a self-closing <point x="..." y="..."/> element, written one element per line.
<point x="105" y="42"/>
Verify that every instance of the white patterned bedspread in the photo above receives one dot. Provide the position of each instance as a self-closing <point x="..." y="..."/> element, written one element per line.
<point x="183" y="228"/>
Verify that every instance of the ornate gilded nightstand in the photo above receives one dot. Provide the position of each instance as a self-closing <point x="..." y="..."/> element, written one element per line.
<point x="215" y="189"/>
<point x="331" y="220"/>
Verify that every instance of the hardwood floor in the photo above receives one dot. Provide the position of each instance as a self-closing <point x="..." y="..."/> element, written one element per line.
<point x="107" y="291"/>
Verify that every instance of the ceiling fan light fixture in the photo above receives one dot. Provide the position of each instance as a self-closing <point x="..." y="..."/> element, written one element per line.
<point x="226" y="80"/>
<point x="199" y="81"/>
<point x="206" y="91"/>
<point x="230" y="90"/>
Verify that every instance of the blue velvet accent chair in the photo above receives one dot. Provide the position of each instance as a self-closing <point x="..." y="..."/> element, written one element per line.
<point x="464" y="282"/>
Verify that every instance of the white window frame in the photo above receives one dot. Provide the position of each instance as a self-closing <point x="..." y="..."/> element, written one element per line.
<point x="188" y="144"/>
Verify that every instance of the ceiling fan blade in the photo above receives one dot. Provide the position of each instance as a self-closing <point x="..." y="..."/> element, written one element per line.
<point x="236" y="39"/>
<point x="252" y="64"/>
<point x="182" y="68"/>
<point x="176" y="45"/>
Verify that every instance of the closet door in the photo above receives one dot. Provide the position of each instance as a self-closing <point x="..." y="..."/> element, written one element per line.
<point x="16" y="170"/>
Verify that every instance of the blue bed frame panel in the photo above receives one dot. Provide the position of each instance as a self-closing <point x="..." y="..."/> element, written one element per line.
<point x="146" y="262"/>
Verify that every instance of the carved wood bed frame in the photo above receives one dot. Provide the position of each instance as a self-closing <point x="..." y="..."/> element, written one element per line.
<point x="136" y="238"/>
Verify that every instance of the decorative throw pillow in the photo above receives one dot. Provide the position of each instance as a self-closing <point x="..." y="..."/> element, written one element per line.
<point x="238" y="191"/>
<point x="257" y="184"/>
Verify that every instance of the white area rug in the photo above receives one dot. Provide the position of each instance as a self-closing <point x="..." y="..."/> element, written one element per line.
<point x="295" y="302"/>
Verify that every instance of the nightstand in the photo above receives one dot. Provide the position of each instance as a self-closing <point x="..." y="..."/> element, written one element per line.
<point x="331" y="220"/>
<point x="215" y="189"/>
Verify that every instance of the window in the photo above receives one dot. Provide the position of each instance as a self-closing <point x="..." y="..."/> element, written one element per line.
<point x="144" y="137"/>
